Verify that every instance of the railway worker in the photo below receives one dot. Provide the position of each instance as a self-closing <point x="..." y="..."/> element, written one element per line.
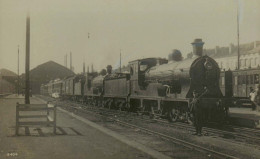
<point x="257" y="98"/>
<point x="252" y="95"/>
<point x="196" y="112"/>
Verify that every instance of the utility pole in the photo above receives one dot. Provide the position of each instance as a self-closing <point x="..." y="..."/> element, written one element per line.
<point x="70" y="61"/>
<point x="66" y="57"/>
<point x="120" y="60"/>
<point x="238" y="49"/>
<point x="84" y="68"/>
<point x="18" y="80"/>
<point x="27" y="62"/>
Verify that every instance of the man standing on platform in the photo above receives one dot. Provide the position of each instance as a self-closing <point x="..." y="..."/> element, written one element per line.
<point x="257" y="98"/>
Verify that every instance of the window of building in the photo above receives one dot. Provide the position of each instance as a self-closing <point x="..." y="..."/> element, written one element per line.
<point x="242" y="63"/>
<point x="252" y="62"/>
<point x="235" y="80"/>
<point x="248" y="63"/>
<point x="223" y="81"/>
<point x="227" y="65"/>
<point x="256" y="61"/>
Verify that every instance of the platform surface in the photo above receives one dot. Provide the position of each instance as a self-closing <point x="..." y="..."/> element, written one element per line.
<point x="74" y="139"/>
<point x="244" y="113"/>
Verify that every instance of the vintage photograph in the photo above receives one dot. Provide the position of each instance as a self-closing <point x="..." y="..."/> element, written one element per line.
<point x="129" y="79"/>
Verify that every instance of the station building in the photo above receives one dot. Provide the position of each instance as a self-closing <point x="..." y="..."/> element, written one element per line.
<point x="227" y="58"/>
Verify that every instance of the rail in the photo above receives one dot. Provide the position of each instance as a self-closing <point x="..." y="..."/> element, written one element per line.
<point x="42" y="111"/>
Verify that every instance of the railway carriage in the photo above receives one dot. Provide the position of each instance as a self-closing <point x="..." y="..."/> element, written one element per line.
<point x="57" y="88"/>
<point x="79" y="82"/>
<point x="44" y="89"/>
<point x="68" y="87"/>
<point x="236" y="85"/>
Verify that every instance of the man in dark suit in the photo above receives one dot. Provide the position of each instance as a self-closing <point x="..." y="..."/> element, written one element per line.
<point x="196" y="112"/>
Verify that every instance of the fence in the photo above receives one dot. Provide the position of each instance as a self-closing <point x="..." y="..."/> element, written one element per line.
<point x="38" y="109"/>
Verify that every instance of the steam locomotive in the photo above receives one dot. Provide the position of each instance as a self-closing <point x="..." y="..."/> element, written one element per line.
<point x="154" y="85"/>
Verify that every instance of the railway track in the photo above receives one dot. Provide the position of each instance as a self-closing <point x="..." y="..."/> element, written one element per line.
<point x="240" y="134"/>
<point x="189" y="145"/>
<point x="115" y="115"/>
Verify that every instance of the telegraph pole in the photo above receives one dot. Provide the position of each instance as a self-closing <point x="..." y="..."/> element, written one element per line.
<point x="27" y="62"/>
<point x="120" y="60"/>
<point x="238" y="49"/>
<point x="18" y="80"/>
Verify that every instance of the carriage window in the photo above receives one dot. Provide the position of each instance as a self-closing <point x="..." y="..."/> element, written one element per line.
<point x="235" y="80"/>
<point x="143" y="67"/>
<point x="240" y="80"/>
<point x="223" y="81"/>
<point x="256" y="78"/>
<point x="243" y="79"/>
<point x="248" y="79"/>
<point x="252" y="79"/>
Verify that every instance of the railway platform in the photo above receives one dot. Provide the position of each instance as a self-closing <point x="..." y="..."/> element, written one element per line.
<point x="245" y="117"/>
<point x="74" y="138"/>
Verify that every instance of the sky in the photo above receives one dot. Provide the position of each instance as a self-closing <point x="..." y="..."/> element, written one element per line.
<point x="139" y="28"/>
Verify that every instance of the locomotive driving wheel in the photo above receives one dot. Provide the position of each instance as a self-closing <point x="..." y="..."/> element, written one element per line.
<point x="173" y="115"/>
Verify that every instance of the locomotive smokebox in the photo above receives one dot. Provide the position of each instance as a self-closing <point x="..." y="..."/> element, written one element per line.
<point x="197" y="47"/>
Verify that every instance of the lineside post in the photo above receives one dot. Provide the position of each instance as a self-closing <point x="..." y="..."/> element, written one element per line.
<point x="17" y="120"/>
<point x="54" y="124"/>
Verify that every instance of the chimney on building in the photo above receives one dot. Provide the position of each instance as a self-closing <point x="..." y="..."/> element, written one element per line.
<point x="231" y="48"/>
<point x="83" y="67"/>
<point x="70" y="61"/>
<point x="88" y="70"/>
<point x="216" y="49"/>
<point x="66" y="59"/>
<point x="92" y="68"/>
<point x="109" y="69"/>
<point x="197" y="47"/>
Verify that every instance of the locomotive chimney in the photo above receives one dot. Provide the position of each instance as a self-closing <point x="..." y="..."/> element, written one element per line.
<point x="197" y="47"/>
<point x="109" y="69"/>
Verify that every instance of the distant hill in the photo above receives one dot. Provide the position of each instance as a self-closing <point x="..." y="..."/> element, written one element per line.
<point x="7" y="81"/>
<point x="5" y="72"/>
<point x="45" y="72"/>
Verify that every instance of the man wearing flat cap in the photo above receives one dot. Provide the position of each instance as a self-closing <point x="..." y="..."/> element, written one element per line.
<point x="196" y="111"/>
